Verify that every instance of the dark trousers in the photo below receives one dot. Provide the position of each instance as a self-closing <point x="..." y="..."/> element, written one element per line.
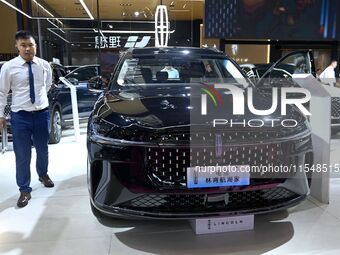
<point x="30" y="128"/>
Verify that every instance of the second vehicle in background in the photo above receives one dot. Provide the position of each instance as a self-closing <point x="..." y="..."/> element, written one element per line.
<point x="60" y="96"/>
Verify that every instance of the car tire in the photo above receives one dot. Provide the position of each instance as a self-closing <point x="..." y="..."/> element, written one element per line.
<point x="56" y="128"/>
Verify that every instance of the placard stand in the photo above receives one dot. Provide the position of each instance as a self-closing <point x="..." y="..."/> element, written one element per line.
<point x="4" y="140"/>
<point x="74" y="107"/>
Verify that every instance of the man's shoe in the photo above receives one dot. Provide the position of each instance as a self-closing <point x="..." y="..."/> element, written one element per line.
<point x="23" y="199"/>
<point x="48" y="183"/>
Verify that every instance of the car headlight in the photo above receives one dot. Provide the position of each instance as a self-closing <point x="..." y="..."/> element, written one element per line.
<point x="108" y="130"/>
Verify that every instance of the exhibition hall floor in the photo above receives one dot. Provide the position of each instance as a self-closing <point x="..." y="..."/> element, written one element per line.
<point x="59" y="220"/>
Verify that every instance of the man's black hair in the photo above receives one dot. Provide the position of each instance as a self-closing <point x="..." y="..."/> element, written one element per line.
<point x="23" y="34"/>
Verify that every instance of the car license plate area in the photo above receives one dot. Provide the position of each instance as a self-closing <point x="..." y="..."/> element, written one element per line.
<point x="217" y="176"/>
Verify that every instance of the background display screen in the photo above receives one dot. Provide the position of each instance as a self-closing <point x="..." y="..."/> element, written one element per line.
<point x="272" y="19"/>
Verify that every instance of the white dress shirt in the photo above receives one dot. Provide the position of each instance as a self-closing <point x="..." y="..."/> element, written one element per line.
<point x="328" y="76"/>
<point x="15" y="76"/>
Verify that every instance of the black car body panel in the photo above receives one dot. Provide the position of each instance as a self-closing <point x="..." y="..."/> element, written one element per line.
<point x="140" y="144"/>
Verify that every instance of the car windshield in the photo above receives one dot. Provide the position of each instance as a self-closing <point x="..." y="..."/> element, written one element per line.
<point x="156" y="70"/>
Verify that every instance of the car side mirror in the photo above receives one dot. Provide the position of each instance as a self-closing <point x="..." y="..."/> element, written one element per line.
<point x="74" y="81"/>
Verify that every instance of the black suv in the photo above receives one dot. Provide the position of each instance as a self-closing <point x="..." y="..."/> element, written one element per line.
<point x="85" y="78"/>
<point x="147" y="136"/>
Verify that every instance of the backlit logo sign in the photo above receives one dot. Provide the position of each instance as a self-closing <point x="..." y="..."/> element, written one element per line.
<point x="132" y="42"/>
<point x="113" y="42"/>
<point x="161" y="26"/>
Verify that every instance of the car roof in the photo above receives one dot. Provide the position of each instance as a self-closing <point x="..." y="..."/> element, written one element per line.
<point x="175" y="50"/>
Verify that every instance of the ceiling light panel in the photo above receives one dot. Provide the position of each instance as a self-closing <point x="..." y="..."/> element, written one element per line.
<point x="15" y="8"/>
<point x="115" y="9"/>
<point x="86" y="9"/>
<point x="71" y="8"/>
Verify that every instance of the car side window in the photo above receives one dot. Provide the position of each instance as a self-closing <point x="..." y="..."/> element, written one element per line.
<point x="83" y="73"/>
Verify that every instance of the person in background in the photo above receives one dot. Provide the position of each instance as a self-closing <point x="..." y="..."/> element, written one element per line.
<point x="318" y="72"/>
<point x="172" y="72"/>
<point x="209" y="72"/>
<point x="328" y="75"/>
<point x="300" y="68"/>
<point x="29" y="78"/>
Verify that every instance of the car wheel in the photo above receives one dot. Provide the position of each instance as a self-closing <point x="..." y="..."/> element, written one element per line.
<point x="55" y="133"/>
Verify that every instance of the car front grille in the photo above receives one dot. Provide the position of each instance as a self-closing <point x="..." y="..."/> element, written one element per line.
<point x="335" y="107"/>
<point x="167" y="167"/>
<point x="194" y="203"/>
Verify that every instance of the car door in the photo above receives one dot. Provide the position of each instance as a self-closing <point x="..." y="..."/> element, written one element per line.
<point x="281" y="73"/>
<point x="81" y="78"/>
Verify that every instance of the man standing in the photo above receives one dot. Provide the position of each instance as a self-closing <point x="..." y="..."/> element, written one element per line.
<point x="29" y="78"/>
<point x="328" y="75"/>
